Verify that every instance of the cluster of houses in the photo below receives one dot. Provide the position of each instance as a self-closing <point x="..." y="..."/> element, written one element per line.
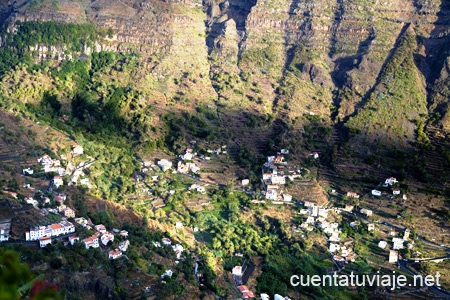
<point x="177" y="248"/>
<point x="275" y="172"/>
<point x="389" y="182"/>
<point x="275" y="297"/>
<point x="319" y="217"/>
<point x="397" y="244"/>
<point x="184" y="166"/>
<point x="54" y="165"/>
<point x="44" y="234"/>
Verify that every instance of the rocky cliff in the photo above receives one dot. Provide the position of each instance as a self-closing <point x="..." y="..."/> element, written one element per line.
<point x="346" y="61"/>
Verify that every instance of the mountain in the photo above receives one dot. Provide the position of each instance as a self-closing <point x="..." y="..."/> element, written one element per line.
<point x="364" y="83"/>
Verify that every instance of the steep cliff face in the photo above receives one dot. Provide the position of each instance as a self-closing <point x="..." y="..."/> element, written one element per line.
<point x="292" y="57"/>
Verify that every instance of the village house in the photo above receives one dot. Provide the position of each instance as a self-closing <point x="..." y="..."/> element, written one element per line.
<point x="188" y="155"/>
<point x="275" y="179"/>
<point x="91" y="242"/>
<point x="5" y="228"/>
<point x="198" y="188"/>
<point x="404" y="197"/>
<point x="44" y="241"/>
<point x="314" y="155"/>
<point x="73" y="239"/>
<point x="123" y="246"/>
<point x="390" y="181"/>
<point x="395" y="192"/>
<point x="28" y="171"/>
<point x="167" y="273"/>
<point x="68" y="212"/>
<point x="264" y="297"/>
<point x="245" y="182"/>
<point x="166" y="241"/>
<point x="398" y="243"/>
<point x="100" y="228"/>
<point x="382" y="244"/>
<point x="349" y="208"/>
<point x="376" y="193"/>
<point x="106" y="238"/>
<point x="77" y="150"/>
<point x="57" y="229"/>
<point x="178" y="225"/>
<point x="333" y="247"/>
<point x="114" y="254"/>
<point x="83" y="222"/>
<point x="246" y="293"/>
<point x="272" y="192"/>
<point x="164" y="164"/>
<point x="406" y="234"/>
<point x="352" y="195"/>
<point x="393" y="256"/>
<point x="123" y="233"/>
<point x="370" y="227"/>
<point x="178" y="249"/>
<point x="57" y="181"/>
<point x="287" y="198"/>
<point x="366" y="212"/>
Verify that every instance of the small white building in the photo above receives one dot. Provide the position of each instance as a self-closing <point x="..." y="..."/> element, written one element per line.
<point x="393" y="256"/>
<point x="77" y="150"/>
<point x="396" y="192"/>
<point x="376" y="193"/>
<point x="44" y="241"/>
<point x="28" y="171"/>
<point x="245" y="182"/>
<point x="123" y="246"/>
<point x="382" y="244"/>
<point x="398" y="243"/>
<point x="237" y="271"/>
<point x="198" y="188"/>
<point x="114" y="254"/>
<point x="333" y="247"/>
<point x="57" y="181"/>
<point x="287" y="198"/>
<point x="366" y="212"/>
<point x="164" y="164"/>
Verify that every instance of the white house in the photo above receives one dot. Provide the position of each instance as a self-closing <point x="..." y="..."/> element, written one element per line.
<point x="57" y="181"/>
<point x="366" y="212"/>
<point x="245" y="182"/>
<point x="123" y="246"/>
<point x="106" y="238"/>
<point x="28" y="171"/>
<point x="396" y="192"/>
<point x="376" y="192"/>
<point x="390" y="181"/>
<point x="198" y="188"/>
<point x="398" y="243"/>
<point x="264" y="297"/>
<point x="393" y="256"/>
<point x="333" y="247"/>
<point x="114" y="254"/>
<point x="73" y="239"/>
<point x="287" y="198"/>
<point x="382" y="244"/>
<point x="91" y="242"/>
<point x="237" y="271"/>
<point x="178" y="250"/>
<point x="275" y="179"/>
<point x="164" y="164"/>
<point x="314" y="155"/>
<point x="77" y="150"/>
<point x="44" y="241"/>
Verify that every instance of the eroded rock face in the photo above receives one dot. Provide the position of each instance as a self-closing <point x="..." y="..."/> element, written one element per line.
<point x="335" y="45"/>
